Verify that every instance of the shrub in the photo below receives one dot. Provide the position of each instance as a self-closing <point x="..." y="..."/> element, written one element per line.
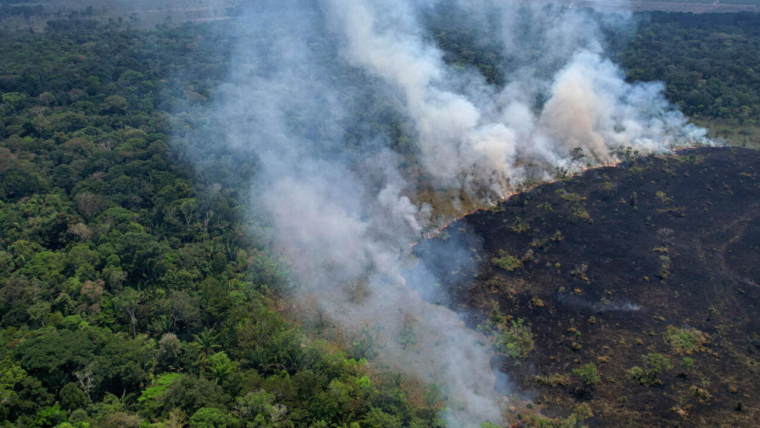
<point x="516" y="341"/>
<point x="685" y="341"/>
<point x="506" y="261"/>
<point x="588" y="374"/>
<point x="700" y="394"/>
<point x="554" y="379"/>
<point x="687" y="363"/>
<point x="654" y="364"/>
<point x="580" y="272"/>
<point x="520" y="225"/>
<point x="574" y="420"/>
<point x="580" y="213"/>
<point x="665" y="266"/>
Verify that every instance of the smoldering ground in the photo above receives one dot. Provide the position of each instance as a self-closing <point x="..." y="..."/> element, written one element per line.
<point x="312" y="88"/>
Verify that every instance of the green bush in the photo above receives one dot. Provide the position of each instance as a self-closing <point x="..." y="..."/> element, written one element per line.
<point x="588" y="374"/>
<point x="654" y="364"/>
<point x="685" y="341"/>
<point x="516" y="341"/>
<point x="507" y="262"/>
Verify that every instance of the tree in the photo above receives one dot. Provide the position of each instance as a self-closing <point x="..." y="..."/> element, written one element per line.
<point x="86" y="381"/>
<point x="209" y="417"/>
<point x="190" y="393"/>
<point x="207" y="341"/>
<point x="11" y="374"/>
<point x="376" y="418"/>
<point x="89" y="205"/>
<point x="258" y="409"/>
<point x="153" y="395"/>
<point x="14" y="100"/>
<point x="39" y="312"/>
<point x="115" y="104"/>
<point x="72" y="397"/>
<point x="177" y="419"/>
<point x="221" y="367"/>
<point x="121" y="420"/>
<point x="128" y="301"/>
<point x="47" y="98"/>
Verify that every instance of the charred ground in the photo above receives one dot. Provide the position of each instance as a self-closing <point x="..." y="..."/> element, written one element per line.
<point x="614" y="264"/>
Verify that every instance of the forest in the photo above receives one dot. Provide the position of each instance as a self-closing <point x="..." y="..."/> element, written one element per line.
<point x="137" y="290"/>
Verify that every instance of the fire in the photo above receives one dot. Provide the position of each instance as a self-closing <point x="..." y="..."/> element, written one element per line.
<point x="402" y="279"/>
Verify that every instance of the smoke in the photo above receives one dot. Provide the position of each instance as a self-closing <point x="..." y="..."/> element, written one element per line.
<point x="302" y="77"/>
<point x="475" y="136"/>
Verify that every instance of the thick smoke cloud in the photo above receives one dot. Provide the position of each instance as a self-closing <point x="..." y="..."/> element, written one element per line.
<point x="300" y="71"/>
<point x="476" y="136"/>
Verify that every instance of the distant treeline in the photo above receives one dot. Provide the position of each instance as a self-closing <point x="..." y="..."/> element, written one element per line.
<point x="7" y="11"/>
<point x="710" y="62"/>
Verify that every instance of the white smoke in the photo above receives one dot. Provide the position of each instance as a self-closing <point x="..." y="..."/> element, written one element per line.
<point x="479" y="136"/>
<point x="339" y="209"/>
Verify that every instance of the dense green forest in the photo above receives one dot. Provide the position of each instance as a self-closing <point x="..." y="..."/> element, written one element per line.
<point x="133" y="290"/>
<point x="710" y="63"/>
<point x="137" y="291"/>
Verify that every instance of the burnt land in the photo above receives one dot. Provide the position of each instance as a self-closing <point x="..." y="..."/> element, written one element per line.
<point x="660" y="255"/>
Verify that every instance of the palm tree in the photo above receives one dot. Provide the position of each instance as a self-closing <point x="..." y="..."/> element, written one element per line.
<point x="207" y="341"/>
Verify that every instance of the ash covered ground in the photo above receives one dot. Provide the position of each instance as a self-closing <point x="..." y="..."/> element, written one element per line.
<point x="660" y="255"/>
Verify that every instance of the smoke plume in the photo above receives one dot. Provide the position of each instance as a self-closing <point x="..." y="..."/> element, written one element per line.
<point x="302" y="75"/>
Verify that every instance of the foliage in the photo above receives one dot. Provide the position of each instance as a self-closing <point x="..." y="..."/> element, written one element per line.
<point x="133" y="287"/>
<point x="209" y="417"/>
<point x="153" y="393"/>
<point x="708" y="62"/>
<point x="519" y="225"/>
<point x="574" y="420"/>
<point x="553" y="379"/>
<point x="654" y="365"/>
<point x="701" y="394"/>
<point x="588" y="375"/>
<point x="687" y="363"/>
<point x="685" y="341"/>
<point x="516" y="340"/>
<point x="506" y="261"/>
<point x="72" y="397"/>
